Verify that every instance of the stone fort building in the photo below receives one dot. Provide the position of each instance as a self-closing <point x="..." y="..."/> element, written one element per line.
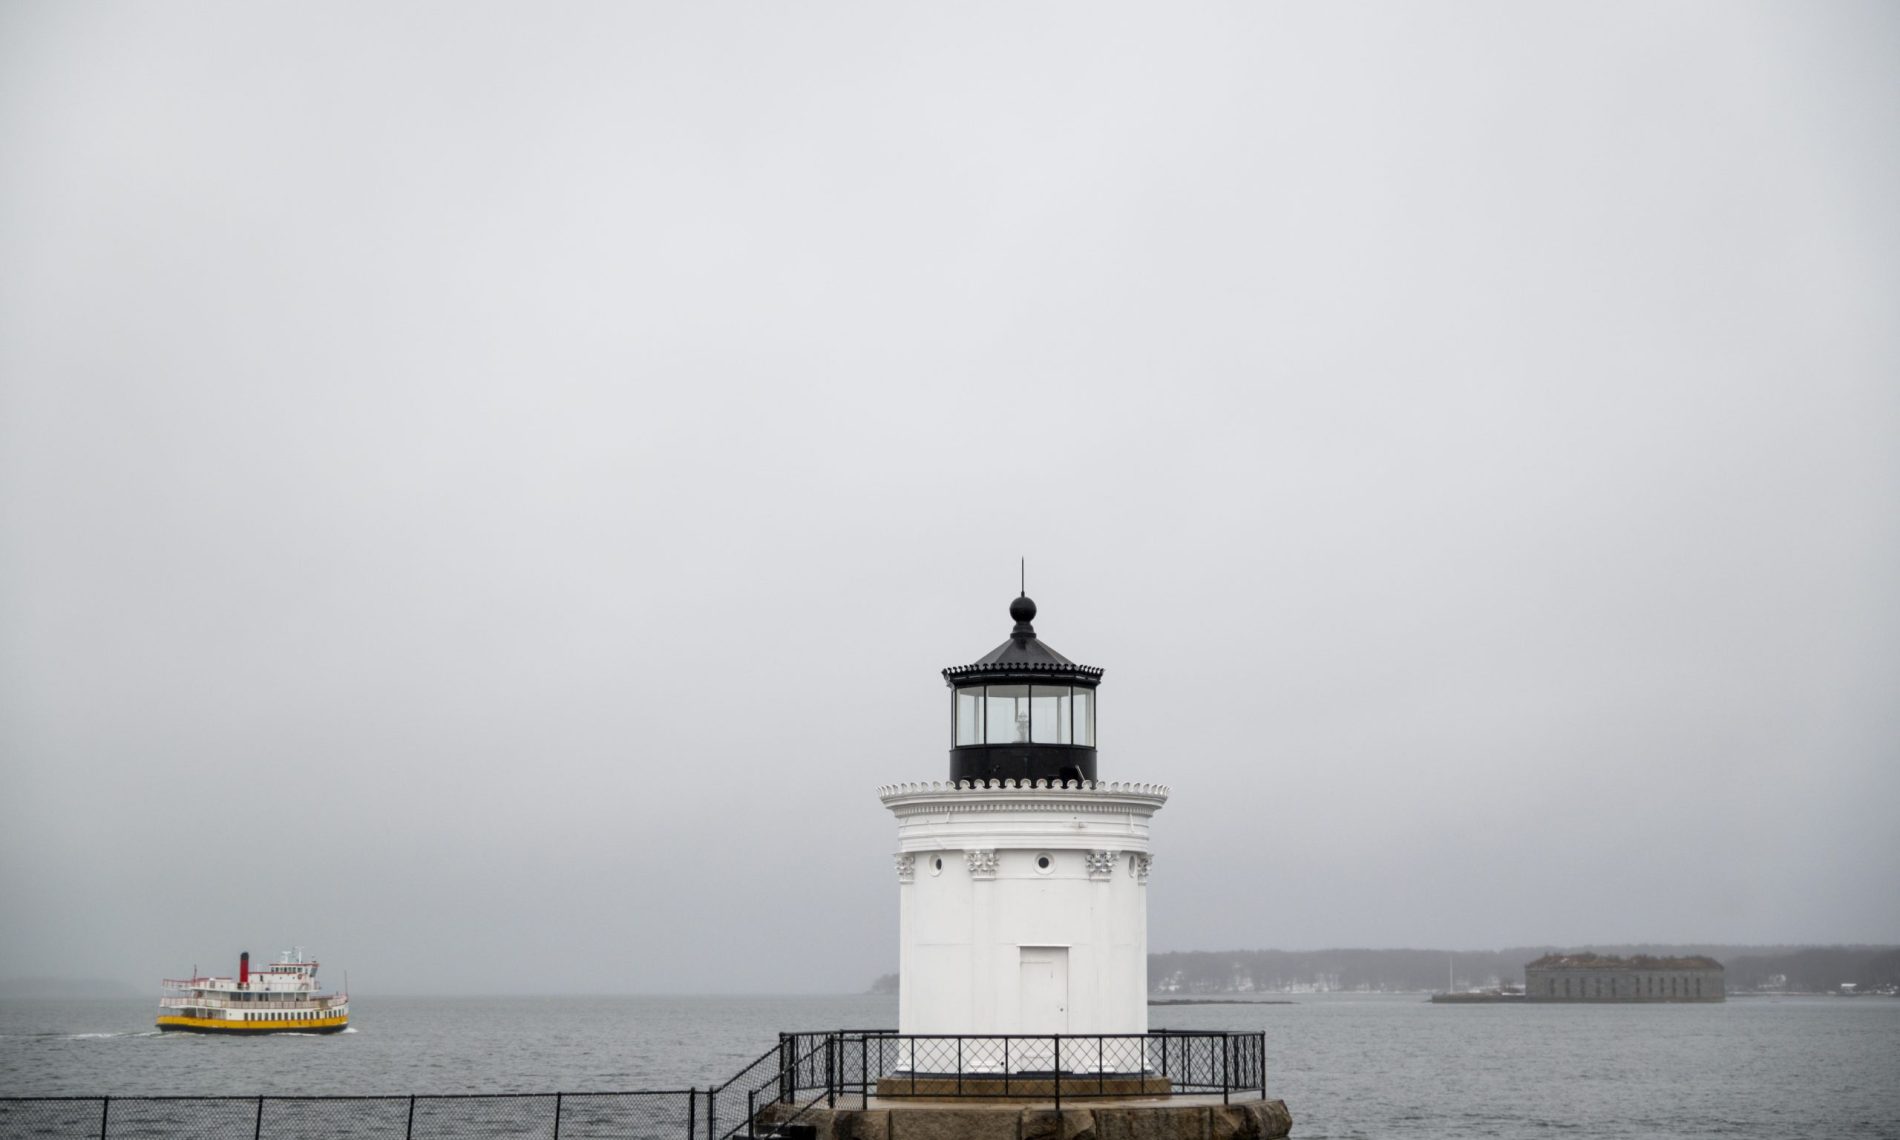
<point x="1595" y="977"/>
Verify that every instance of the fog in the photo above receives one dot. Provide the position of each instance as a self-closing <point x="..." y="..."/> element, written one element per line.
<point x="486" y="490"/>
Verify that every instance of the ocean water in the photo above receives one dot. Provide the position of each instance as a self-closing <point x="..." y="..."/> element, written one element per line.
<point x="1347" y="1065"/>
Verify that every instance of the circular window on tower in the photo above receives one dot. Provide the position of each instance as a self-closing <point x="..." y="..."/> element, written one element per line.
<point x="1044" y="864"/>
<point x="936" y="865"/>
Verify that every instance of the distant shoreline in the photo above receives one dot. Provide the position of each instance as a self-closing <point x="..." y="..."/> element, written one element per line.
<point x="24" y="989"/>
<point x="1218" y="1001"/>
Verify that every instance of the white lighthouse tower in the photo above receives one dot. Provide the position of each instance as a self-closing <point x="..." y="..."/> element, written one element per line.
<point x="1023" y="879"/>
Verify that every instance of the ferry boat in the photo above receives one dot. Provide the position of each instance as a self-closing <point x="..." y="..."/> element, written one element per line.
<point x="279" y="998"/>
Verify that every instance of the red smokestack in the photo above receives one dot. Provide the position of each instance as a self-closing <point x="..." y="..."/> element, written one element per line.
<point x="244" y="968"/>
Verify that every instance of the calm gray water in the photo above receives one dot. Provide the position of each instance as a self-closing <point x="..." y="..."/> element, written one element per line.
<point x="1347" y="1065"/>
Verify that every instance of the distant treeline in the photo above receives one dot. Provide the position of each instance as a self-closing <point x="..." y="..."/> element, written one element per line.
<point x="1813" y="969"/>
<point x="1810" y="969"/>
<point x="64" y="988"/>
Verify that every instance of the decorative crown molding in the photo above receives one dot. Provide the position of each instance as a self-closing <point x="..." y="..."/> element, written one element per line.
<point x="982" y="863"/>
<point x="1101" y="864"/>
<point x="1053" y="787"/>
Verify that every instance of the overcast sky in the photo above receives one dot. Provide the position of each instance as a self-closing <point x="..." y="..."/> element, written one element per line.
<point x="486" y="490"/>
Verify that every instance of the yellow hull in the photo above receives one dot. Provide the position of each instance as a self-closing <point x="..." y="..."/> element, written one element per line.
<point x="222" y="1025"/>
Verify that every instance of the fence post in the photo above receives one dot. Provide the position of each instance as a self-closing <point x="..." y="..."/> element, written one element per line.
<point x="1263" y="1065"/>
<point x="712" y="1113"/>
<point x="409" y="1126"/>
<point x="257" y="1124"/>
<point x="1226" y="1067"/>
<point x="557" y="1116"/>
<point x="105" y="1111"/>
<point x="1056" y="1072"/>
<point x="751" y="1113"/>
<point x="692" y="1104"/>
<point x="831" y="1070"/>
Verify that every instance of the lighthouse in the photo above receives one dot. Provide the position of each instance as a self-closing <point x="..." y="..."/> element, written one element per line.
<point x="1023" y="877"/>
<point x="1022" y="883"/>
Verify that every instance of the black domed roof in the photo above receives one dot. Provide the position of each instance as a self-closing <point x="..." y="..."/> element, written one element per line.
<point x="1024" y="655"/>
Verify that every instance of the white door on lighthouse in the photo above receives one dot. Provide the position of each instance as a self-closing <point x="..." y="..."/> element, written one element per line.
<point x="1043" y="996"/>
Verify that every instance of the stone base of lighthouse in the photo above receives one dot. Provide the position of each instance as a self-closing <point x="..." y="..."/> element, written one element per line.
<point x="967" y="1086"/>
<point x="1182" y="1118"/>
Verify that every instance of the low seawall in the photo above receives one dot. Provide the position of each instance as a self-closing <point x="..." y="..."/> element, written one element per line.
<point x="1240" y="1120"/>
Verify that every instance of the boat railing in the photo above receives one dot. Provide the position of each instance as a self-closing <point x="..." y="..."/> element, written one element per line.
<point x="324" y="1003"/>
<point x="227" y="986"/>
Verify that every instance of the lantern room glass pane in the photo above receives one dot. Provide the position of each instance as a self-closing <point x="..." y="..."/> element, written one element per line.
<point x="1006" y="715"/>
<point x="1085" y="716"/>
<point x="1049" y="714"/>
<point x="970" y="715"/>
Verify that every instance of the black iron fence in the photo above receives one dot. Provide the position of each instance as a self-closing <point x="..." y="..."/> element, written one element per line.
<point x="659" y="1115"/>
<point x="767" y="1097"/>
<point x="1058" y="1066"/>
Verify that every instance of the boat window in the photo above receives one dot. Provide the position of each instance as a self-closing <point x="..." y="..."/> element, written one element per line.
<point x="1085" y="716"/>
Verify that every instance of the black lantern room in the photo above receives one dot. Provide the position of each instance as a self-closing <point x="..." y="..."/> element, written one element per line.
<point x="1023" y="711"/>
